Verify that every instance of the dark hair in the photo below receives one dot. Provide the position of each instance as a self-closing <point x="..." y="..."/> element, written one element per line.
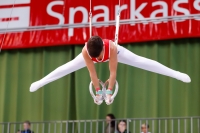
<point x="122" y="121"/>
<point x="27" y="122"/>
<point x="112" y="117"/>
<point x="95" y="46"/>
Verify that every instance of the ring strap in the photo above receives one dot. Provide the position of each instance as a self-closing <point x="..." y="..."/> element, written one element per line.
<point x="100" y="92"/>
<point x="109" y="92"/>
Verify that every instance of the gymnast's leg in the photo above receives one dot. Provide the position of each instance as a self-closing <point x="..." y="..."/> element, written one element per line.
<point x="61" y="71"/>
<point x="127" y="57"/>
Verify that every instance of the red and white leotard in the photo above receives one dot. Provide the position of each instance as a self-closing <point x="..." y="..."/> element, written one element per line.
<point x="106" y="54"/>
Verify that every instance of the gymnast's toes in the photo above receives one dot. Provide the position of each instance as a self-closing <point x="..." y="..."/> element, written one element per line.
<point x="183" y="77"/>
<point x="34" y="86"/>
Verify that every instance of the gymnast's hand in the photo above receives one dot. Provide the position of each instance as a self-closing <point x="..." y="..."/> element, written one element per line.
<point x="108" y="91"/>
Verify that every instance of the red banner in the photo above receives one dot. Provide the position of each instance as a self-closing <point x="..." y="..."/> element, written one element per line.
<point x="26" y="13"/>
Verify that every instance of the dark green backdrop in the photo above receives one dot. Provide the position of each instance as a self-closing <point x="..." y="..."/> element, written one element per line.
<point x="141" y="93"/>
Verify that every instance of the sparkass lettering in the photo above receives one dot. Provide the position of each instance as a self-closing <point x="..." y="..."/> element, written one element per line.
<point x="135" y="11"/>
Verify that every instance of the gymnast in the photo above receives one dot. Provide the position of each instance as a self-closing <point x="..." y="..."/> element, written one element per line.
<point x="98" y="50"/>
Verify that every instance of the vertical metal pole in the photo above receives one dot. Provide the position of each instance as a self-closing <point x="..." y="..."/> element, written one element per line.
<point x="134" y="126"/>
<point x="2" y="128"/>
<point x="15" y="127"/>
<point x="103" y="127"/>
<point x="165" y="126"/>
<point x="61" y="127"/>
<point x="191" y="125"/>
<point x="66" y="126"/>
<point x="172" y="125"/>
<point x="127" y="121"/>
<point x="49" y="127"/>
<point x="55" y="127"/>
<point x="78" y="126"/>
<point x="72" y="126"/>
<point x="153" y="126"/>
<point x="185" y="125"/>
<point x="97" y="126"/>
<point x="85" y="127"/>
<point x="90" y="126"/>
<point x="43" y="128"/>
<point x="178" y="125"/>
<point x="198" y="126"/>
<point x="140" y="125"/>
<point x="8" y="129"/>
<point x="159" y="125"/>
<point x="37" y="127"/>
<point x="147" y="125"/>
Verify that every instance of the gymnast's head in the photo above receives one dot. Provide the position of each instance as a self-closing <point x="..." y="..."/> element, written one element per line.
<point x="95" y="46"/>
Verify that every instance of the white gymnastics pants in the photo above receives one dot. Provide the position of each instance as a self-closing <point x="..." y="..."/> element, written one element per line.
<point x="124" y="56"/>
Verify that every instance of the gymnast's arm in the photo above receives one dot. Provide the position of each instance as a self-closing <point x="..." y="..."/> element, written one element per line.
<point x="112" y="65"/>
<point x="91" y="68"/>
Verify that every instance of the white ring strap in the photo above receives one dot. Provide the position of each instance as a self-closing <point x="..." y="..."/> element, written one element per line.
<point x="90" y="18"/>
<point x="117" y="25"/>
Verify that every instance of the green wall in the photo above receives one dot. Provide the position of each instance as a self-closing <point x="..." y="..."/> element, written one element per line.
<point x="141" y="93"/>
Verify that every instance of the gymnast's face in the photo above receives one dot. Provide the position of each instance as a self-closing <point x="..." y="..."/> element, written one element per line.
<point x="108" y="119"/>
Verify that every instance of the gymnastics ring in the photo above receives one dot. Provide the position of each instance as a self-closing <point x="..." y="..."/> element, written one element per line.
<point x="97" y="101"/>
<point x="115" y="92"/>
<point x="104" y="92"/>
